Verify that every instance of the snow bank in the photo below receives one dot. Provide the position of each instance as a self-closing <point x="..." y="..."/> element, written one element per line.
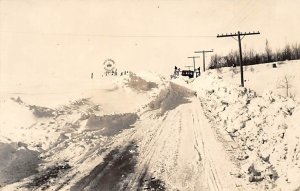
<point x="151" y="77"/>
<point x="293" y="149"/>
<point x="74" y="124"/>
<point x="74" y="132"/>
<point x="111" y="124"/>
<point x="259" y="124"/>
<point x="139" y="84"/>
<point x="16" y="162"/>
<point x="170" y="97"/>
<point x="14" y="118"/>
<point x="39" y="111"/>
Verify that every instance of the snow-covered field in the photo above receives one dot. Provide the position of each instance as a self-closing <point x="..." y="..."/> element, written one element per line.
<point x="145" y="132"/>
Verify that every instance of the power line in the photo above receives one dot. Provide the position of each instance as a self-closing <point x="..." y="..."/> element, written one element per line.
<point x="240" y="17"/>
<point x="239" y="34"/>
<point x="111" y="35"/>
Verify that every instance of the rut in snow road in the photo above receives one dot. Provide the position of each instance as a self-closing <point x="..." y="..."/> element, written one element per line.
<point x="182" y="150"/>
<point x="178" y="151"/>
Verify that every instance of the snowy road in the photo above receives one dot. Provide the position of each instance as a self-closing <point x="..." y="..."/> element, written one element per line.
<point x="183" y="150"/>
<point x="178" y="151"/>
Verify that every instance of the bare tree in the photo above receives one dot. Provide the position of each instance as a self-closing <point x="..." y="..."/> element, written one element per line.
<point x="286" y="85"/>
<point x="214" y="62"/>
<point x="296" y="51"/>
<point x="278" y="55"/>
<point x="268" y="51"/>
<point x="251" y="56"/>
<point x="287" y="52"/>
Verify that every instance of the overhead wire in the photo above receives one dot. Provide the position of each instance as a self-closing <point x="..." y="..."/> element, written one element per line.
<point x="236" y="18"/>
<point x="110" y="35"/>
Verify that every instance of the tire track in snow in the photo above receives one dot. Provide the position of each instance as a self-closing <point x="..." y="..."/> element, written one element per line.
<point x="164" y="153"/>
<point x="209" y="168"/>
<point x="158" y="133"/>
<point x="159" y="138"/>
<point x="182" y="150"/>
<point x="152" y="138"/>
<point x="179" y="151"/>
<point x="218" y="164"/>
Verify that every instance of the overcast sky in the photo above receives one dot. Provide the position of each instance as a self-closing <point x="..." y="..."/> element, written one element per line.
<point x="64" y="39"/>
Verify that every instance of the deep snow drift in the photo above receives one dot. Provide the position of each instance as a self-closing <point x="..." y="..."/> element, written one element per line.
<point x="44" y="133"/>
<point x="262" y="120"/>
<point x="144" y="132"/>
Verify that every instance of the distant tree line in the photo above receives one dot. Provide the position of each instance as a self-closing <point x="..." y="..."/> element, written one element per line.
<point x="250" y="57"/>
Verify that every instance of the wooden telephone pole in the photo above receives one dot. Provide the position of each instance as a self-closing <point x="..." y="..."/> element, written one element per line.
<point x="239" y="34"/>
<point x="194" y="57"/>
<point x="203" y="52"/>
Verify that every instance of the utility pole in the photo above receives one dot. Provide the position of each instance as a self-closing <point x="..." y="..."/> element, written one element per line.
<point x="239" y="34"/>
<point x="194" y="57"/>
<point x="203" y="52"/>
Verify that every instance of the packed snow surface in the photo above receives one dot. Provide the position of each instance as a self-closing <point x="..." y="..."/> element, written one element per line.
<point x="145" y="132"/>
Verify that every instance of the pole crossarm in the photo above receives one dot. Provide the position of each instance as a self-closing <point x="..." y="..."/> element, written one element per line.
<point x="194" y="57"/>
<point x="237" y="34"/>
<point x="204" y="51"/>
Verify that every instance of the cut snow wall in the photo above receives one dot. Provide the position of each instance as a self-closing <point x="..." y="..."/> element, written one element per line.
<point x="139" y="84"/>
<point x="171" y="97"/>
<point x="112" y="124"/>
<point x="259" y="124"/>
